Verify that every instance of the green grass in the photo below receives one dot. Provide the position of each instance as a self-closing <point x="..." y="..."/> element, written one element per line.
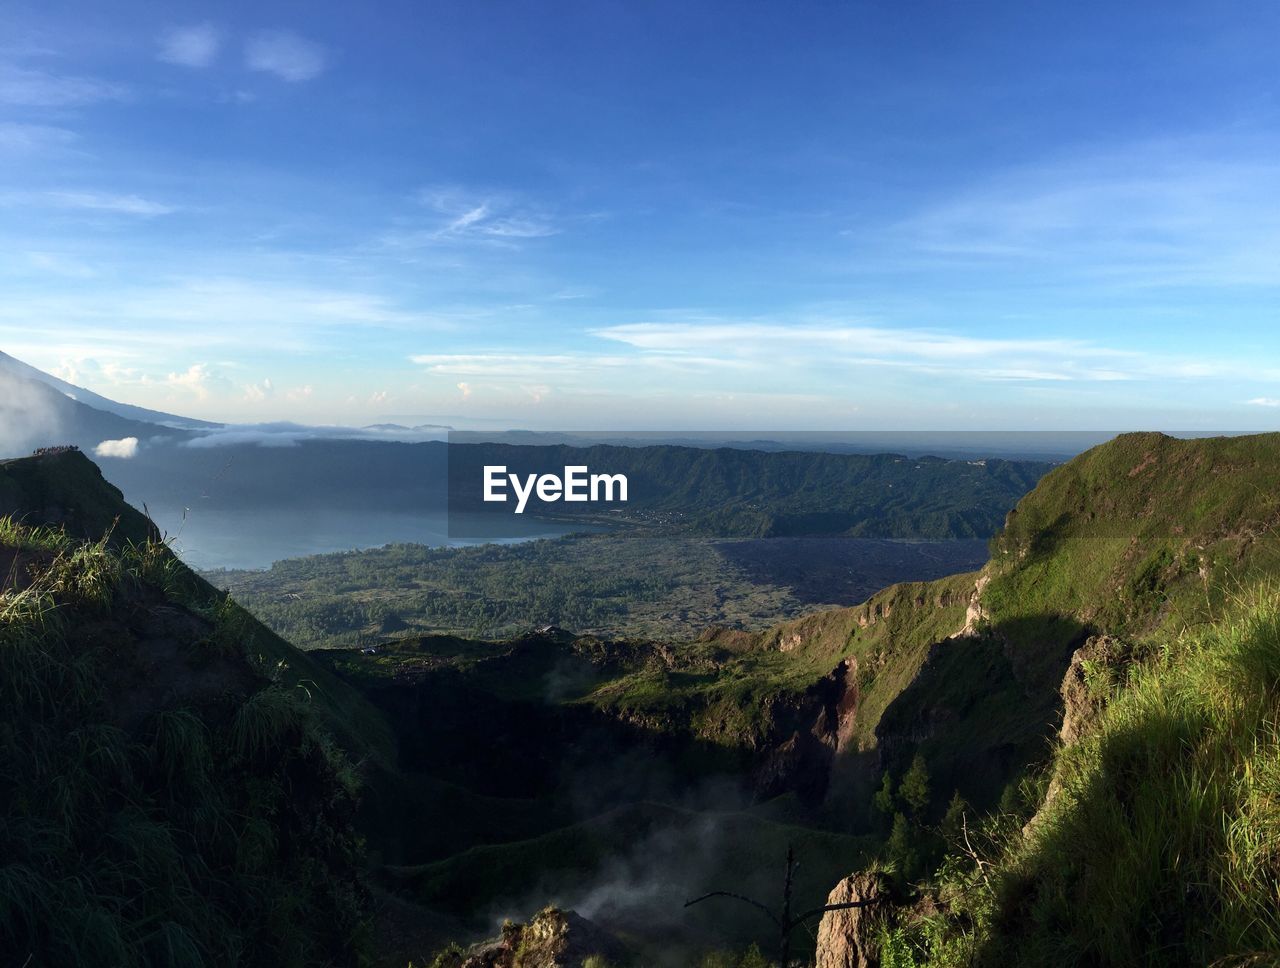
<point x="171" y="835"/>
<point x="1161" y="845"/>
<point x="71" y="488"/>
<point x="19" y="537"/>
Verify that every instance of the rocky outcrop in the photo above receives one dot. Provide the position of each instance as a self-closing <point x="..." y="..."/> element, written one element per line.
<point x="848" y="938"/>
<point x="551" y="939"/>
<point x="1086" y="687"/>
<point x="975" y="614"/>
<point x="1084" y="692"/>
<point x="810" y="731"/>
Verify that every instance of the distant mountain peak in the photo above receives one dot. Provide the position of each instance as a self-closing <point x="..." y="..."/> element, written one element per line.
<point x="17" y="368"/>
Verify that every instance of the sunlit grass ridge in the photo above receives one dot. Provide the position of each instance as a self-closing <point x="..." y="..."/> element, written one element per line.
<point x="1159" y="843"/>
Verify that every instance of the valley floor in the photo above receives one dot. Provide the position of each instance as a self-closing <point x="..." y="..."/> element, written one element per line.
<point x="638" y="583"/>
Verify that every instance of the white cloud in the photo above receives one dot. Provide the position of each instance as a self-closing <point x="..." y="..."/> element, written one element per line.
<point x="124" y="448"/>
<point x="290" y="435"/>
<point x="1264" y="402"/>
<point x="196" y="379"/>
<point x="773" y="345"/>
<point x="195" y="45"/>
<point x="299" y="393"/>
<point x="465" y="389"/>
<point x="493" y="218"/>
<point x="378" y="397"/>
<point x="28" y="417"/>
<point x="261" y="438"/>
<point x="257" y="392"/>
<point x="86" y="369"/>
<point x="108" y="202"/>
<point x="773" y="348"/>
<point x="285" y="54"/>
<point x="204" y="312"/>
<point x="39" y="89"/>
<point x="512" y="364"/>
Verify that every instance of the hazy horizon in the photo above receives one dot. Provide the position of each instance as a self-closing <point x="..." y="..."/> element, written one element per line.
<point x="610" y="215"/>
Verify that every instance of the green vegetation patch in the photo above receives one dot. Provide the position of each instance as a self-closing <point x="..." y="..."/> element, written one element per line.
<point x="1159" y="840"/>
<point x="167" y="801"/>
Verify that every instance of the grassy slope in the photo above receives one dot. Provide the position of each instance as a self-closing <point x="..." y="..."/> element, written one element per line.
<point x="68" y="491"/>
<point x="167" y="801"/>
<point x="1144" y="532"/>
<point x="1134" y="536"/>
<point x="1143" y="537"/>
<point x="1159" y="843"/>
<point x="889" y="635"/>
<point x="1162" y="845"/>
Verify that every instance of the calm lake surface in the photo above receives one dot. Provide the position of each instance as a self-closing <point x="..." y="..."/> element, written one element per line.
<point x="210" y="538"/>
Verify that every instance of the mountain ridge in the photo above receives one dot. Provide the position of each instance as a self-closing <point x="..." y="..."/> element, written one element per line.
<point x="1139" y="536"/>
<point x="18" y="368"/>
<point x="1142" y="539"/>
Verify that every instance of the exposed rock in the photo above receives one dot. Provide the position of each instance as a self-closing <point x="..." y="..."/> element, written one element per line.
<point x="811" y="731"/>
<point x="847" y="939"/>
<point x="873" y="612"/>
<point x="551" y="939"/>
<point x="1083" y="701"/>
<point x="975" y="613"/>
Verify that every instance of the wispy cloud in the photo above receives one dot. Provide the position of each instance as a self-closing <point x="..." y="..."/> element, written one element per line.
<point x="194" y="45"/>
<point x="107" y="202"/>
<point x="41" y="89"/>
<point x="1166" y="214"/>
<point x="176" y="316"/>
<point x="197" y="381"/>
<point x="30" y="139"/>
<point x="821" y="345"/>
<point x="523" y="365"/>
<point x="285" y="54"/>
<point x="531" y="366"/>
<point x="493" y="218"/>
<point x="1264" y="402"/>
<point x="258" y="392"/>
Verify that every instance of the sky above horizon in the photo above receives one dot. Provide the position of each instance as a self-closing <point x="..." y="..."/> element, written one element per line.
<point x="597" y="214"/>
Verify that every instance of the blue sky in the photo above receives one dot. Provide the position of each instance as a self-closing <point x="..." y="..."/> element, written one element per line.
<point x="740" y="214"/>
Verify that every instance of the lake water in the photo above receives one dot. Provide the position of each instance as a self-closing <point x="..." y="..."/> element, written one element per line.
<point x="208" y="538"/>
